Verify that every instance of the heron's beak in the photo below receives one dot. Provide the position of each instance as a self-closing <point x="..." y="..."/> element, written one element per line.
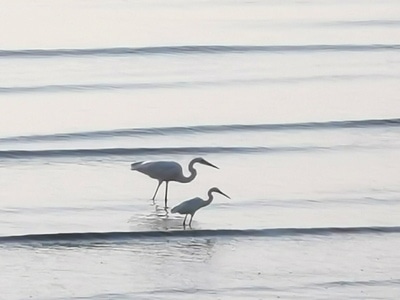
<point x="209" y="164"/>
<point x="224" y="195"/>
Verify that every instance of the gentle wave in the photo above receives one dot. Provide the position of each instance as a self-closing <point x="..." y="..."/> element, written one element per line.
<point x="27" y="154"/>
<point x="385" y="282"/>
<point x="98" y="87"/>
<point x="108" y="152"/>
<point x="132" y="235"/>
<point x="194" y="49"/>
<point x="365" y="23"/>
<point x="51" y="88"/>
<point x="165" y="131"/>
<point x="89" y="87"/>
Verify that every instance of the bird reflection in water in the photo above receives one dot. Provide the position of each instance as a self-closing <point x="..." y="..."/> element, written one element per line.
<point x="198" y="249"/>
<point x="157" y="220"/>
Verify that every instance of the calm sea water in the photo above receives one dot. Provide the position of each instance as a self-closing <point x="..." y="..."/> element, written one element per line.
<point x="297" y="102"/>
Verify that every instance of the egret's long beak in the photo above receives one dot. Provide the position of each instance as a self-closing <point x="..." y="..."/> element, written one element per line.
<point x="135" y="165"/>
<point x="209" y="164"/>
<point x="224" y="195"/>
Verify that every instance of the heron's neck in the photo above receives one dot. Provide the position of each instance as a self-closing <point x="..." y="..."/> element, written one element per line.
<point x="193" y="173"/>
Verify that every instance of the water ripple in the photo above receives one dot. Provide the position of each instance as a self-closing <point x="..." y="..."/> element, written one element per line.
<point x="187" y="130"/>
<point x="195" y="49"/>
<point x="134" y="235"/>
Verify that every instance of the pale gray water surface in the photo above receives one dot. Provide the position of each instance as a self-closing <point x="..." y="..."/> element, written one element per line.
<point x="297" y="102"/>
<point x="292" y="267"/>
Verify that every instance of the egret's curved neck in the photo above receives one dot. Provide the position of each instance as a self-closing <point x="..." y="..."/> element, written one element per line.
<point x="210" y="198"/>
<point x="193" y="173"/>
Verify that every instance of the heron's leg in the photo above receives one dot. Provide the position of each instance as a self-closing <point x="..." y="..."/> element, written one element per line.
<point x="166" y="193"/>
<point x="158" y="186"/>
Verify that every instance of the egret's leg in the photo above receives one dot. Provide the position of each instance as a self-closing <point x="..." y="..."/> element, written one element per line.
<point x="190" y="222"/>
<point x="158" y="186"/>
<point x="184" y="220"/>
<point x="166" y="193"/>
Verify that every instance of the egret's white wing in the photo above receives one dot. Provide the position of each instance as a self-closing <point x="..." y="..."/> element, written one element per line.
<point x="161" y="170"/>
<point x="188" y="206"/>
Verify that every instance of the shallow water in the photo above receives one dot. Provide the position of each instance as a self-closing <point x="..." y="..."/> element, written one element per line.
<point x="290" y="266"/>
<point x="295" y="102"/>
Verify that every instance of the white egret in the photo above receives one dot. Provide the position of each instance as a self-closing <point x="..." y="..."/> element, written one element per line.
<point x="189" y="207"/>
<point x="168" y="171"/>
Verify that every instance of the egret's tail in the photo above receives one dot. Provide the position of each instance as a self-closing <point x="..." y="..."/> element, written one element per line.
<point x="135" y="165"/>
<point x="174" y="210"/>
